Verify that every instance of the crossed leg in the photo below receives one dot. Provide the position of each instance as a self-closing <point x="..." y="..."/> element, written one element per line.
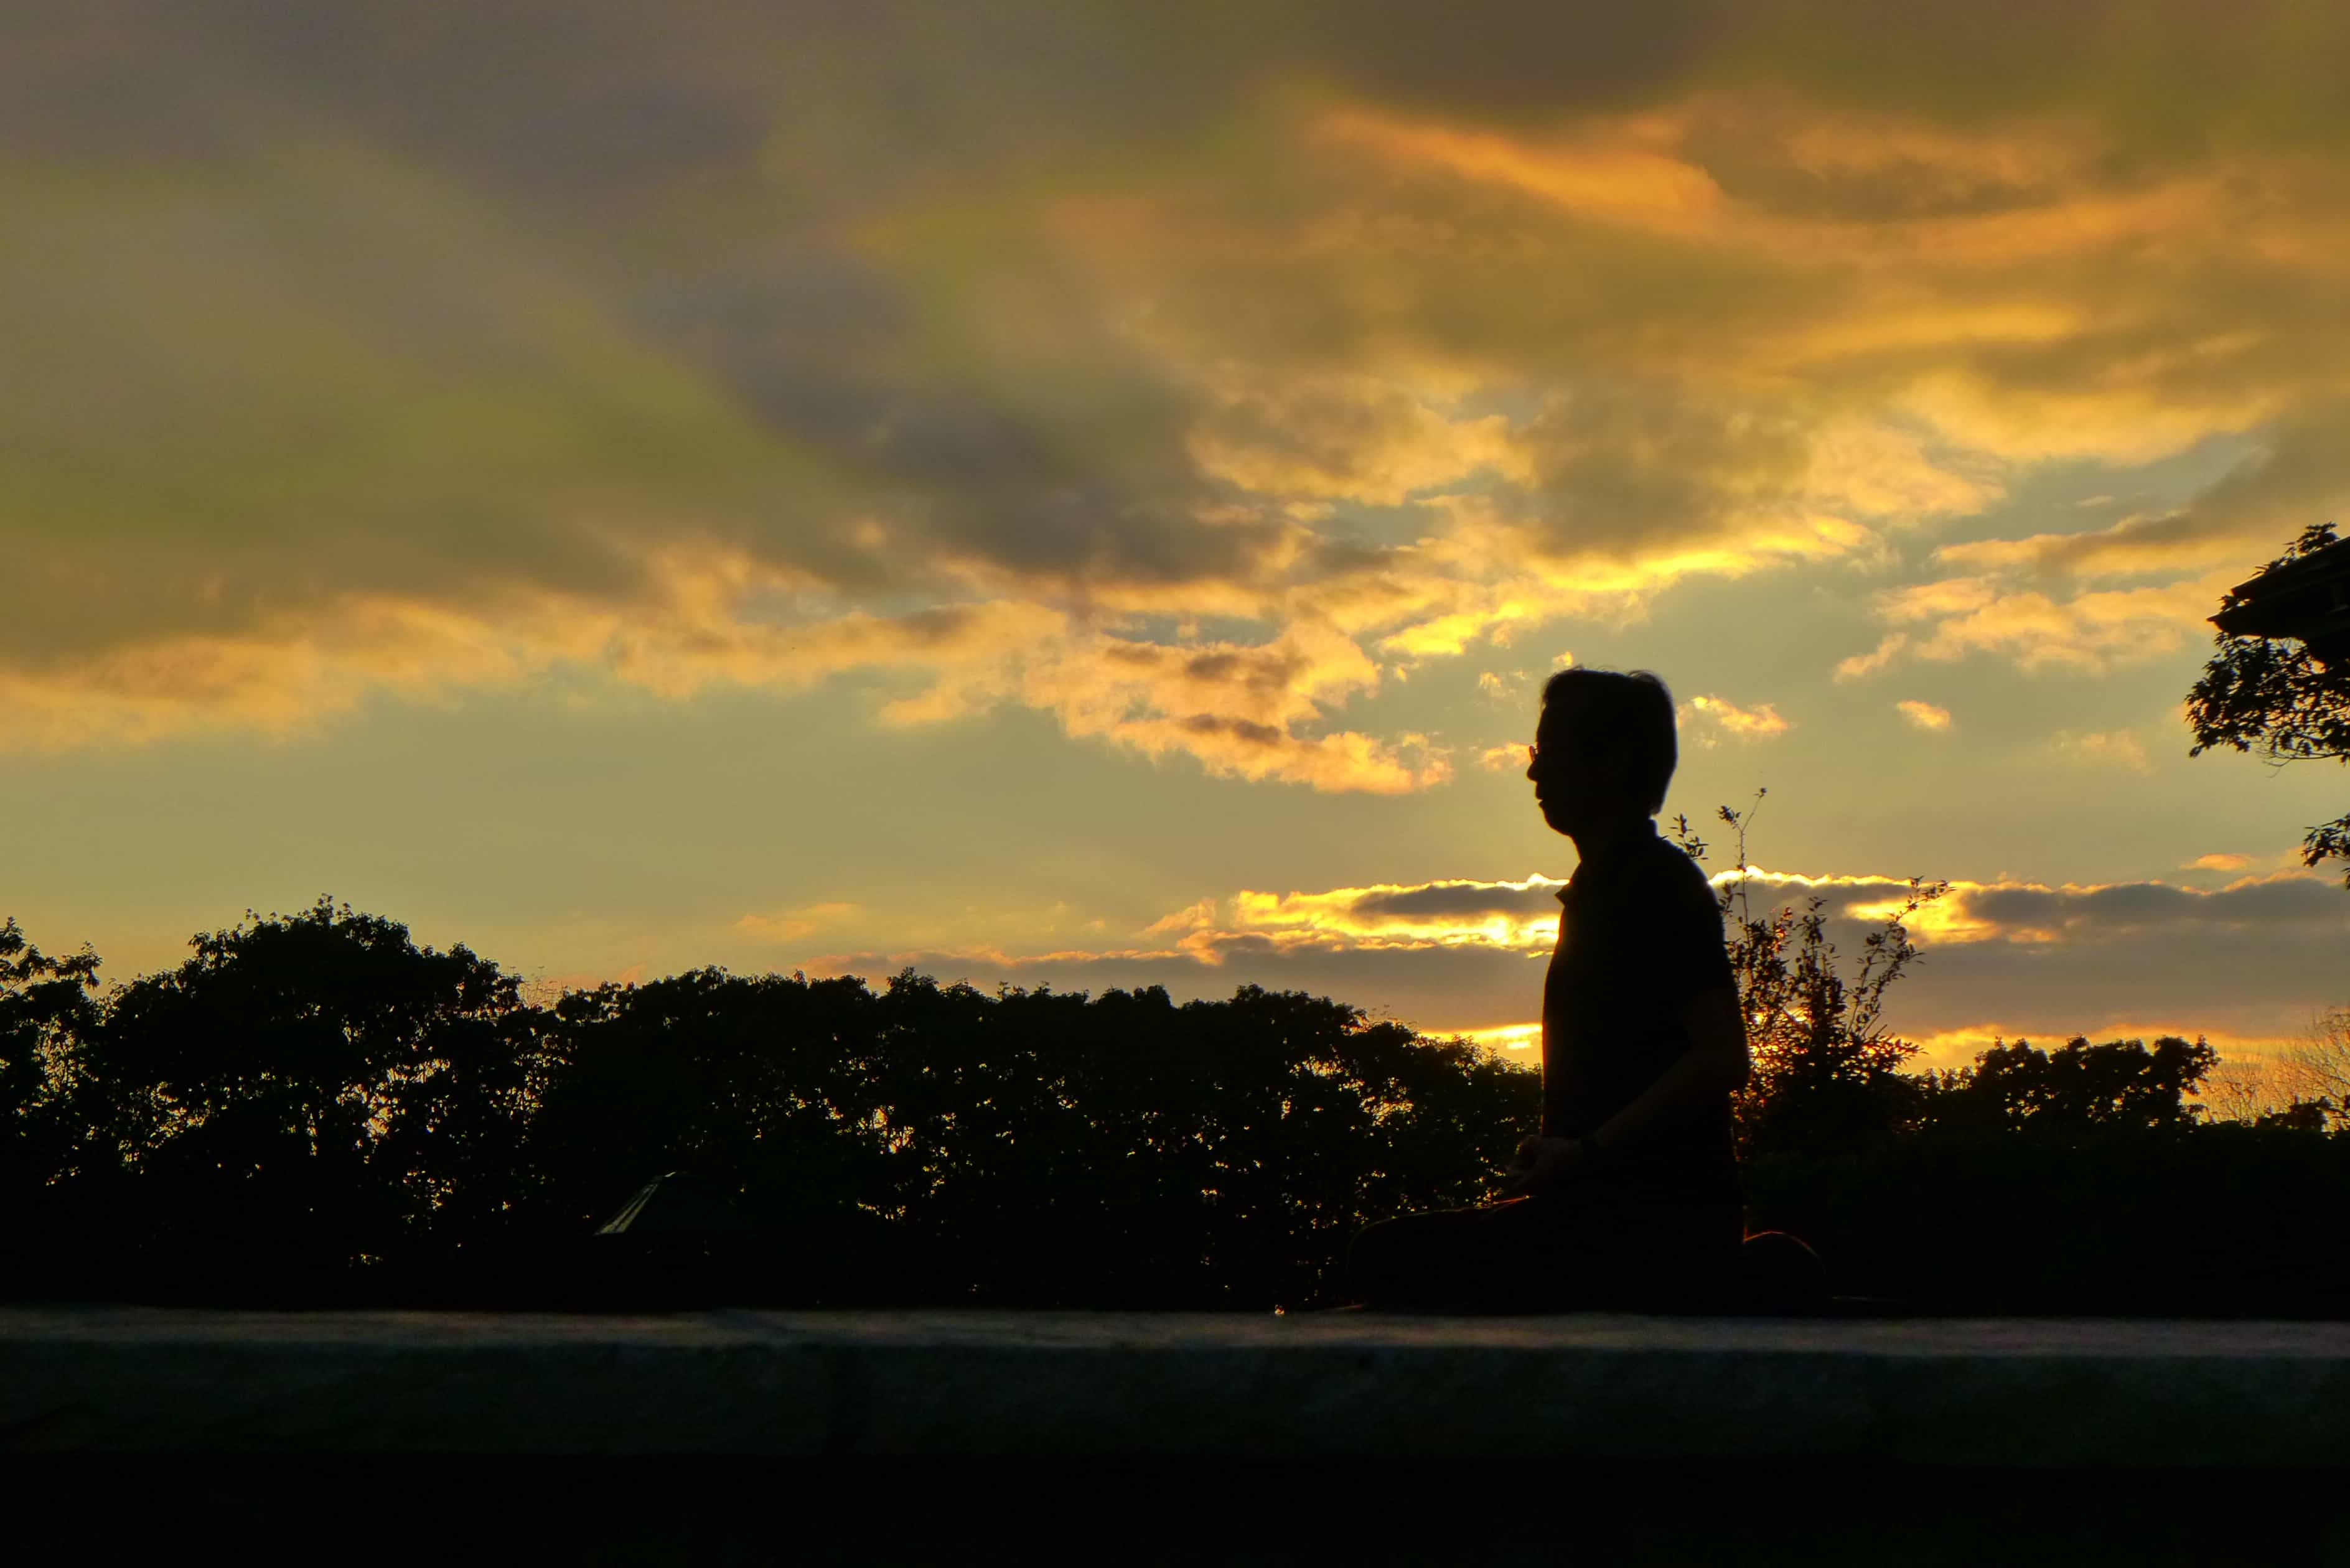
<point x="1578" y="1247"/>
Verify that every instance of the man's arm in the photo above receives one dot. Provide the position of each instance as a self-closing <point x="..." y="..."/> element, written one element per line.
<point x="1715" y="1063"/>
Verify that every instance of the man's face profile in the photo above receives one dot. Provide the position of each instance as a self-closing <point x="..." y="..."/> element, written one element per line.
<point x="1576" y="782"/>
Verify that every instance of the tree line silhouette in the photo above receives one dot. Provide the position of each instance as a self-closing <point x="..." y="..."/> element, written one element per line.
<point x="312" y="1108"/>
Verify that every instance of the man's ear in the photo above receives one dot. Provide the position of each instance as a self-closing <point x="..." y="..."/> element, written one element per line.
<point x="1620" y="781"/>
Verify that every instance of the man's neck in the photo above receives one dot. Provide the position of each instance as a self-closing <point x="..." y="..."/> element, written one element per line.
<point x="1602" y="839"/>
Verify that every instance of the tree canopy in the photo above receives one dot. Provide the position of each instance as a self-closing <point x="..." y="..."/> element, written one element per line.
<point x="312" y="1101"/>
<point x="2275" y="697"/>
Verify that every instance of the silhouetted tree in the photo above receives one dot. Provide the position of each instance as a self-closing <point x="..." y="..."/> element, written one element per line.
<point x="2272" y="695"/>
<point x="1028" y="1146"/>
<point x="47" y="1009"/>
<point x="314" y="1087"/>
<point x="758" y="1084"/>
<point x="2120" y="1085"/>
<point x="2314" y="1072"/>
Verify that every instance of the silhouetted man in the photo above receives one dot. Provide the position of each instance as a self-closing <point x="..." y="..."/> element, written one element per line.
<point x="1629" y="1194"/>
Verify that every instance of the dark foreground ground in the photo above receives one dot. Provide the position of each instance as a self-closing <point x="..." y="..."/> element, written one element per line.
<point x="1506" y="1513"/>
<point x="942" y="1436"/>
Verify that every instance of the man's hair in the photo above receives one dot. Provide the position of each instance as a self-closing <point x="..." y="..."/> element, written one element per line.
<point x="1631" y="714"/>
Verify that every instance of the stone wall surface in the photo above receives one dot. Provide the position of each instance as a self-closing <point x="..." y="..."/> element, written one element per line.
<point x="1964" y="1392"/>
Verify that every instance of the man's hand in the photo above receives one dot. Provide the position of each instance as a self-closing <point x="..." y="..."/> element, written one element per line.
<point x="1543" y="1162"/>
<point x="1522" y="1162"/>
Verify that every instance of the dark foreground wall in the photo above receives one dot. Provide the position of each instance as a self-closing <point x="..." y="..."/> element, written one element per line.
<point x="910" y="1436"/>
<point x="2049" y="1392"/>
<point x="1262" y="1513"/>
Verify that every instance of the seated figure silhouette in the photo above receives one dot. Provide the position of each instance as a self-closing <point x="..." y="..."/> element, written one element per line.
<point x="1629" y="1195"/>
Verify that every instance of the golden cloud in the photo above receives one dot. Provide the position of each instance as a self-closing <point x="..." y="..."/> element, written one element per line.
<point x="2218" y="861"/>
<point x="2135" y="546"/>
<point x="1956" y="617"/>
<point x="1352" y="437"/>
<point x="1876" y="659"/>
<point x="1924" y="715"/>
<point x="2105" y="748"/>
<point x="770" y="391"/>
<point x="790" y="925"/>
<point x="1506" y="1036"/>
<point x="1516" y="914"/>
<point x="1715" y="716"/>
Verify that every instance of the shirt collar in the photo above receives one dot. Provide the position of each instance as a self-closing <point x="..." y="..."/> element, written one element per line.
<point x="1610" y="854"/>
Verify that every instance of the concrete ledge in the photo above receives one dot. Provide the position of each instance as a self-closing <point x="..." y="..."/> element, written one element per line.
<point x="1991" y="1392"/>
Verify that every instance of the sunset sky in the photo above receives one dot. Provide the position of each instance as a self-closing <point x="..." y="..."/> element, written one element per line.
<point x="1088" y="494"/>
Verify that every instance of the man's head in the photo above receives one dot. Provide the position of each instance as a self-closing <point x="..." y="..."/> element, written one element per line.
<point x="1604" y="747"/>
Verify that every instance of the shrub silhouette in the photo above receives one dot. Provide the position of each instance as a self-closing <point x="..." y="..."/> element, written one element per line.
<point x="1827" y="1070"/>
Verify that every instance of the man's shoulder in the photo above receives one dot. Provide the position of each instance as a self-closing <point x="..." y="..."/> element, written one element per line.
<point x="1670" y="891"/>
<point x="1663" y="861"/>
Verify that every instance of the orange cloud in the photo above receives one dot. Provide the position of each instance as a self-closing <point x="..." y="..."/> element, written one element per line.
<point x="793" y="924"/>
<point x="1924" y="715"/>
<point x="1718" y="716"/>
<point x="1876" y="659"/>
<point x="2135" y="546"/>
<point x="1192" y="918"/>
<point x="2113" y="748"/>
<point x="1517" y="915"/>
<point x="1626" y="176"/>
<point x="1502" y="1036"/>
<point x="1352" y="437"/>
<point x="2090" y="632"/>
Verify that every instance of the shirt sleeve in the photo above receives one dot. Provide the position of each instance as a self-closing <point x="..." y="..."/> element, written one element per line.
<point x="1697" y="957"/>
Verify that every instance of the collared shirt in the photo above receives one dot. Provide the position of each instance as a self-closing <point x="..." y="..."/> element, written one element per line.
<point x="1639" y="936"/>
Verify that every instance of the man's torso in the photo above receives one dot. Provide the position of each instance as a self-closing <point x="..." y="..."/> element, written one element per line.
<point x="1639" y="937"/>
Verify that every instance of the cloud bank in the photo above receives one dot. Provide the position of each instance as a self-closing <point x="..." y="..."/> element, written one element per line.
<point x="1191" y="379"/>
<point x="2248" y="961"/>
